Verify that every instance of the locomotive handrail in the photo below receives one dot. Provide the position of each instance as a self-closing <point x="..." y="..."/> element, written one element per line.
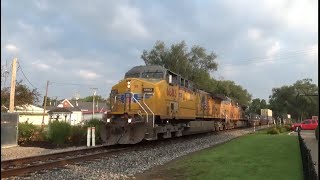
<point x="115" y="100"/>
<point x="140" y="106"/>
<point x="148" y="107"/>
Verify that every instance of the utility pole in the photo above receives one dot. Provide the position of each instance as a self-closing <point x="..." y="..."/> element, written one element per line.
<point x="45" y="104"/>
<point x="13" y="84"/>
<point x="94" y="93"/>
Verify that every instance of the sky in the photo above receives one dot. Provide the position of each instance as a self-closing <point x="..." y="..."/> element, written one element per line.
<point x="85" y="44"/>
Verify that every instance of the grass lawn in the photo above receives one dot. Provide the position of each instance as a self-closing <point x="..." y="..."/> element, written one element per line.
<point x="256" y="156"/>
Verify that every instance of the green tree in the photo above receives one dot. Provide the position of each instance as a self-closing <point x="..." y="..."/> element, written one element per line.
<point x="230" y="89"/>
<point x="23" y="95"/>
<point x="285" y="100"/>
<point x="256" y="105"/>
<point x="90" y="99"/>
<point x="48" y="101"/>
<point x="194" y="65"/>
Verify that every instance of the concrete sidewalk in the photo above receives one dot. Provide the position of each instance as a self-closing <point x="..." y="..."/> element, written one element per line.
<point x="312" y="144"/>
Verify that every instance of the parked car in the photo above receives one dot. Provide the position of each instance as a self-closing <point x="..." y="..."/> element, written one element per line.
<point x="308" y="124"/>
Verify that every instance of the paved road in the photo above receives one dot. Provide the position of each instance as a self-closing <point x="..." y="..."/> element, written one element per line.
<point x="312" y="144"/>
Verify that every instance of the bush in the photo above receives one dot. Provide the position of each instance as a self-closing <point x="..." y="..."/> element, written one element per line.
<point x="78" y="135"/>
<point x="273" y="131"/>
<point x="97" y="124"/>
<point x="59" y="132"/>
<point x="26" y="132"/>
<point x="281" y="129"/>
<point x="317" y="132"/>
<point x="288" y="127"/>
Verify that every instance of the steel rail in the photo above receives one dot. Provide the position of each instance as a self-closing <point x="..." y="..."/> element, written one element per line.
<point x="61" y="159"/>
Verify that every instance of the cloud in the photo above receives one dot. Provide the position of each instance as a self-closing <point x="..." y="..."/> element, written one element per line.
<point x="98" y="42"/>
<point x="11" y="48"/>
<point x="127" y="22"/>
<point x="312" y="53"/>
<point x="41" y="4"/>
<point x="88" y="75"/>
<point x="274" y="49"/>
<point x="254" y="33"/>
<point x="303" y="15"/>
<point x="43" y="66"/>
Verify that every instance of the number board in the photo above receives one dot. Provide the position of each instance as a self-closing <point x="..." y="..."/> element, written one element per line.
<point x="147" y="89"/>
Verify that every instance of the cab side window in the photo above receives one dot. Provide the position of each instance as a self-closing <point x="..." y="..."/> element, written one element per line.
<point x="182" y="82"/>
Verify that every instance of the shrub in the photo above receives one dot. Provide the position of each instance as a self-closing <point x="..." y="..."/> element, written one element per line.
<point x="39" y="135"/>
<point x="59" y="132"/>
<point x="288" y="127"/>
<point x="273" y="131"/>
<point x="26" y="131"/>
<point x="317" y="132"/>
<point x="97" y="124"/>
<point x="78" y="135"/>
<point x="281" y="129"/>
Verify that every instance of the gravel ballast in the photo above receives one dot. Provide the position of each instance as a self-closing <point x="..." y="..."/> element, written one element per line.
<point x="126" y="164"/>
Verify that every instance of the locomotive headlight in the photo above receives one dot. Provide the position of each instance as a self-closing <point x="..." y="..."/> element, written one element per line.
<point x="128" y="84"/>
<point x="129" y="120"/>
<point x="108" y="120"/>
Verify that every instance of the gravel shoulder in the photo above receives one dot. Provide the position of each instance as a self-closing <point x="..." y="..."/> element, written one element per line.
<point x="20" y="151"/>
<point x="126" y="165"/>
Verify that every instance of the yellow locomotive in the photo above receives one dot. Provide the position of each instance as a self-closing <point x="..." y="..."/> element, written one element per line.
<point x="153" y="102"/>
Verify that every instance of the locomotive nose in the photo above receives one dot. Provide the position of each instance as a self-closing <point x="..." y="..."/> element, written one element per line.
<point x="121" y="131"/>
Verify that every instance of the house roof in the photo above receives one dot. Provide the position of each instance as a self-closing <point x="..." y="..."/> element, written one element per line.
<point x="50" y="107"/>
<point x="64" y="109"/>
<point x="87" y="106"/>
<point x="79" y="106"/>
<point x="28" y="107"/>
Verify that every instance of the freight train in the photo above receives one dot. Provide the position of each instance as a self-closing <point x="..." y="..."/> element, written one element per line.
<point x="152" y="102"/>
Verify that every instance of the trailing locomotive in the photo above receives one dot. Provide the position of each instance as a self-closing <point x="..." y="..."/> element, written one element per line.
<point x="153" y="102"/>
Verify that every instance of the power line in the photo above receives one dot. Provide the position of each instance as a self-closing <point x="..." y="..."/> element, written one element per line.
<point x="20" y="68"/>
<point x="275" y="57"/>
<point x="71" y="84"/>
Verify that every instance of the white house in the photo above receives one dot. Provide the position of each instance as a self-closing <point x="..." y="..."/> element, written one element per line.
<point x="32" y="114"/>
<point x="77" y="112"/>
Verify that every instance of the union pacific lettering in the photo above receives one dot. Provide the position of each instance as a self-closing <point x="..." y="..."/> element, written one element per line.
<point x="171" y="92"/>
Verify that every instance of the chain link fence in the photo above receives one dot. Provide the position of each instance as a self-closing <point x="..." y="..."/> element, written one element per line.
<point x="9" y="129"/>
<point x="309" y="171"/>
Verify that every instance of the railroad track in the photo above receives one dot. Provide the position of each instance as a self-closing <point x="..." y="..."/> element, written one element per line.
<point x="23" y="166"/>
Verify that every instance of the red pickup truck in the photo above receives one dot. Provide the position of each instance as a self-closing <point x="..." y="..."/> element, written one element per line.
<point x="308" y="124"/>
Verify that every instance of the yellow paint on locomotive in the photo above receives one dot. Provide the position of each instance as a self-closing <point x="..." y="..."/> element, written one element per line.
<point x="171" y="101"/>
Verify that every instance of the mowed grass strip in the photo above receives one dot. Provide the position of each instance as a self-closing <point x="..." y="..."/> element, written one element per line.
<point x="255" y="156"/>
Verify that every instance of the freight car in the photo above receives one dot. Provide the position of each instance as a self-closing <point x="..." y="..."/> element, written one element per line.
<point x="257" y="120"/>
<point x="153" y="102"/>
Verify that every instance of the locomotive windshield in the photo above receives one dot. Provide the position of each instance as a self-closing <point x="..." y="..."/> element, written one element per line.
<point x="132" y="75"/>
<point x="152" y="75"/>
<point x="146" y="72"/>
